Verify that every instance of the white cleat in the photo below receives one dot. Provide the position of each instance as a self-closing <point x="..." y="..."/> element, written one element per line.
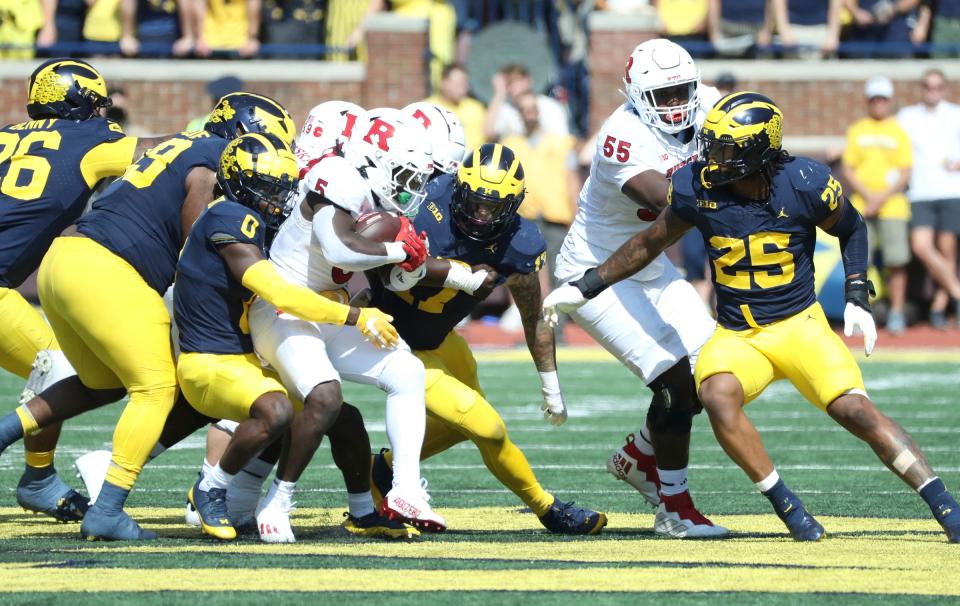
<point x="273" y="521"/>
<point x="412" y="506"/>
<point x="92" y="470"/>
<point x="190" y="516"/>
<point x="627" y="463"/>
<point x="677" y="517"/>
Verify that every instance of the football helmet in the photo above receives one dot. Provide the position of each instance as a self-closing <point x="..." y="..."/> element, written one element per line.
<point x="328" y="125"/>
<point x="259" y="171"/>
<point x="241" y="113"/>
<point x="393" y="155"/>
<point x="446" y="134"/>
<point x="742" y="135"/>
<point x="66" y="88"/>
<point x="662" y="84"/>
<point x="488" y="192"/>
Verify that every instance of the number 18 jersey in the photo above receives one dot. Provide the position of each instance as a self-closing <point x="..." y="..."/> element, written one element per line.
<point x="607" y="217"/>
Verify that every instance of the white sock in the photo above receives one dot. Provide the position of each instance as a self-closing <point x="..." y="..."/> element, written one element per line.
<point x="158" y="449"/>
<point x="672" y="481"/>
<point x="360" y="503"/>
<point x="217" y="478"/>
<point x="206" y="467"/>
<point x="768" y="482"/>
<point x="403" y="380"/>
<point x="643" y="443"/>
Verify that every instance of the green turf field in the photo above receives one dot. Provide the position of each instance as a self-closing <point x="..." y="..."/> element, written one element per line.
<point x="881" y="539"/>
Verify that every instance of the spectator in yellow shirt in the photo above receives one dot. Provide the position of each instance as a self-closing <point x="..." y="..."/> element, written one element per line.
<point x="452" y="95"/>
<point x="876" y="166"/>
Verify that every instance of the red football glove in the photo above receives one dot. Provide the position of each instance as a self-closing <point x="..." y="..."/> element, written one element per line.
<point x="414" y="245"/>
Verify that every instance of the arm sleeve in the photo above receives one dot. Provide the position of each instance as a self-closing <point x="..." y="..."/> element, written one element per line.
<point x="108" y="159"/>
<point x="262" y="278"/>
<point x="340" y="255"/>
<point x="852" y="233"/>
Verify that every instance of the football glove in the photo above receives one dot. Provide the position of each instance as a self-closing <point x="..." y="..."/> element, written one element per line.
<point x="554" y="410"/>
<point x="414" y="245"/>
<point x="375" y="327"/>
<point x="857" y="316"/>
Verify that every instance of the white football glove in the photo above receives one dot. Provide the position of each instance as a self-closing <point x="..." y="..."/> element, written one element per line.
<point x="554" y="410"/>
<point x="564" y="299"/>
<point x="857" y="320"/>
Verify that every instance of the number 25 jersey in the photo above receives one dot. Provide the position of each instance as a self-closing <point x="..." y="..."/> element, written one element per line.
<point x="761" y="253"/>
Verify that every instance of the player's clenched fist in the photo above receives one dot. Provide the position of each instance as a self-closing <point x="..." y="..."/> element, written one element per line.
<point x="375" y="327"/>
<point x="414" y="245"/>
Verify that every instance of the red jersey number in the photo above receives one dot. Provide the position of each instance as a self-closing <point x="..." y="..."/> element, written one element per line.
<point x="621" y="148"/>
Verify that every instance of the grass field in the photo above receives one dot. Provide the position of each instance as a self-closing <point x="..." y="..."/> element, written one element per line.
<point x="882" y="545"/>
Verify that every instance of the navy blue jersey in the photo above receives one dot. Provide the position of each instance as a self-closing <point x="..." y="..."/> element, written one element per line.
<point x="48" y="169"/>
<point x="138" y="216"/>
<point x="424" y="315"/>
<point x="209" y="304"/>
<point x="761" y="253"/>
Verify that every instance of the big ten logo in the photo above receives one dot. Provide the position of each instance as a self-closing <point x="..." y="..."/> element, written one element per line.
<point x="382" y="131"/>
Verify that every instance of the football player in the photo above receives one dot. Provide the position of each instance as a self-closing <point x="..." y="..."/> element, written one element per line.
<point x="120" y="258"/>
<point x="473" y="225"/>
<point x="222" y="266"/>
<point x="758" y="210"/>
<point x="49" y="165"/>
<point x="654" y="323"/>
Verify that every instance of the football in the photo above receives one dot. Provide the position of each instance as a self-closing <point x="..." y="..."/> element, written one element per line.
<point x="381" y="226"/>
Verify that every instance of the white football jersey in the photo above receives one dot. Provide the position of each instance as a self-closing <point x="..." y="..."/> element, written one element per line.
<point x="607" y="217"/>
<point x="295" y="250"/>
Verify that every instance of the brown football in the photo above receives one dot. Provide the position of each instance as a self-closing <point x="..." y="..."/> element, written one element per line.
<point x="379" y="226"/>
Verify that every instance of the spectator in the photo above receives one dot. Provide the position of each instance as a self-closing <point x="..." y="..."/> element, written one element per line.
<point x="216" y="89"/>
<point x="504" y="120"/>
<point x="884" y="21"/>
<point x="683" y="19"/>
<point x="876" y="167"/>
<point x="226" y="25"/>
<point x="738" y="27"/>
<point x="452" y="94"/>
<point x="293" y="22"/>
<point x="153" y="22"/>
<point x="812" y="25"/>
<point x="21" y="20"/>
<point x="945" y="17"/>
<point x="343" y="22"/>
<point x="572" y="45"/>
<point x="102" y="23"/>
<point x="62" y="22"/>
<point x="933" y="126"/>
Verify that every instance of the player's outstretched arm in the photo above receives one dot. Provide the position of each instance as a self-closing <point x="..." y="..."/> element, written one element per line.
<point x="477" y="281"/>
<point x="525" y="289"/>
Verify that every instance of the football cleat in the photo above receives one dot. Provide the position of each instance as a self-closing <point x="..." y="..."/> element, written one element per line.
<point x="273" y="521"/>
<point x="99" y="526"/>
<point x="627" y="463"/>
<point x="375" y="526"/>
<point x="49" y="495"/>
<point x="381" y="476"/>
<point x="211" y="506"/>
<point x="567" y="518"/>
<point x="412" y="507"/>
<point x="802" y="525"/>
<point x="677" y="517"/>
<point x="949" y="518"/>
<point x="190" y="515"/>
<point x="92" y="469"/>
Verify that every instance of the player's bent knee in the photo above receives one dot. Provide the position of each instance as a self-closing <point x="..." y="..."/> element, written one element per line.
<point x="349" y="422"/>
<point x="275" y="410"/>
<point x="675" y="400"/>
<point x="482" y="423"/>
<point x="854" y="410"/>
<point x="324" y="398"/>
<point x="720" y="391"/>
<point x="404" y="373"/>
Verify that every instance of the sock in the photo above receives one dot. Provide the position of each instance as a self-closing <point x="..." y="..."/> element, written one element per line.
<point x="158" y="450"/>
<point x="11" y="429"/>
<point x="217" y="478"/>
<point x="279" y="489"/>
<point x="111" y="498"/>
<point x="406" y="423"/>
<point x="39" y="460"/>
<point x="672" y="481"/>
<point x="768" y="482"/>
<point x="360" y="503"/>
<point x="206" y="467"/>
<point x="33" y="473"/>
<point x="944" y="507"/>
<point x="788" y="506"/>
<point x="643" y="443"/>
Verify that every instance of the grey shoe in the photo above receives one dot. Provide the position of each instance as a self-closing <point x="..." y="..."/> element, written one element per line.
<point x="896" y="323"/>
<point x="938" y="319"/>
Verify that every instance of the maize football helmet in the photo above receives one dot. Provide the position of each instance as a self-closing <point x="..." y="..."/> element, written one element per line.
<point x="488" y="192"/>
<point x="241" y="113"/>
<point x="259" y="171"/>
<point x="742" y="135"/>
<point x="662" y="84"/>
<point x="66" y="88"/>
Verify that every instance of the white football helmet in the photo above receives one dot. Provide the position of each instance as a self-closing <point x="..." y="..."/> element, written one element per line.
<point x="445" y="132"/>
<point x="658" y="74"/>
<point x="392" y="153"/>
<point x="328" y="125"/>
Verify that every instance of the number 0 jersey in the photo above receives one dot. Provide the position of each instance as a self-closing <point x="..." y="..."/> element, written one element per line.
<point x="761" y="253"/>
<point x="138" y="216"/>
<point x="425" y="315"/>
<point x="48" y="169"/>
<point x="209" y="304"/>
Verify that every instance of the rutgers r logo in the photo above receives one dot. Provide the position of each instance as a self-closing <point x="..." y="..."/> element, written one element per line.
<point x="382" y="131"/>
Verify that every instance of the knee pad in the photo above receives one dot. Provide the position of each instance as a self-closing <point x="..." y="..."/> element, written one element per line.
<point x="675" y="400"/>
<point x="481" y="421"/>
<point x="226" y="426"/>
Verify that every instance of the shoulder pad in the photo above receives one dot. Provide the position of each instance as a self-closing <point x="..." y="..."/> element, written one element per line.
<point x="682" y="183"/>
<point x="527" y="242"/>
<point x="807" y="174"/>
<point x="341" y="184"/>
